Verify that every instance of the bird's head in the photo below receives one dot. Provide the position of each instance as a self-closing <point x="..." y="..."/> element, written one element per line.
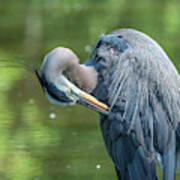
<point x="66" y="82"/>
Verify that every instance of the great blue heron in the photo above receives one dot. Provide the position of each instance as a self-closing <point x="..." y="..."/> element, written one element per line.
<point x="136" y="89"/>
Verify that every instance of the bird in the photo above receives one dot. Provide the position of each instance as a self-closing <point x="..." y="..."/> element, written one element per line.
<point x="133" y="85"/>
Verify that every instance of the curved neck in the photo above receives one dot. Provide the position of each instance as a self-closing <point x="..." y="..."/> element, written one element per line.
<point x="85" y="77"/>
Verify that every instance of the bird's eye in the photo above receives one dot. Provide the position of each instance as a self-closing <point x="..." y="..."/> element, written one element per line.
<point x="120" y="36"/>
<point x="64" y="73"/>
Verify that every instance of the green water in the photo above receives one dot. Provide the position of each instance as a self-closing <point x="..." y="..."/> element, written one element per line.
<point x="40" y="141"/>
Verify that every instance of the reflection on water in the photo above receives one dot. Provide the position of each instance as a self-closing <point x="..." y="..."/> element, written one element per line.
<point x="39" y="141"/>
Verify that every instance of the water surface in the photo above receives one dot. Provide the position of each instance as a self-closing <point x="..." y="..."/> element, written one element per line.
<point x="40" y="141"/>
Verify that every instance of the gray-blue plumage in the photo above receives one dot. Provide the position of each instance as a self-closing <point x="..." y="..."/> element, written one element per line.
<point x="142" y="87"/>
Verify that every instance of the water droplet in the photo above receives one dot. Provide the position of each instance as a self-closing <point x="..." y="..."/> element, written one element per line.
<point x="68" y="166"/>
<point x="31" y="101"/>
<point x="98" y="166"/>
<point x="36" y="178"/>
<point x="87" y="48"/>
<point x="52" y="115"/>
<point x="78" y="7"/>
<point x="74" y="133"/>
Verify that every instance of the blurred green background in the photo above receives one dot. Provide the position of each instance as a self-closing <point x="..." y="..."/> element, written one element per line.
<point x="40" y="141"/>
